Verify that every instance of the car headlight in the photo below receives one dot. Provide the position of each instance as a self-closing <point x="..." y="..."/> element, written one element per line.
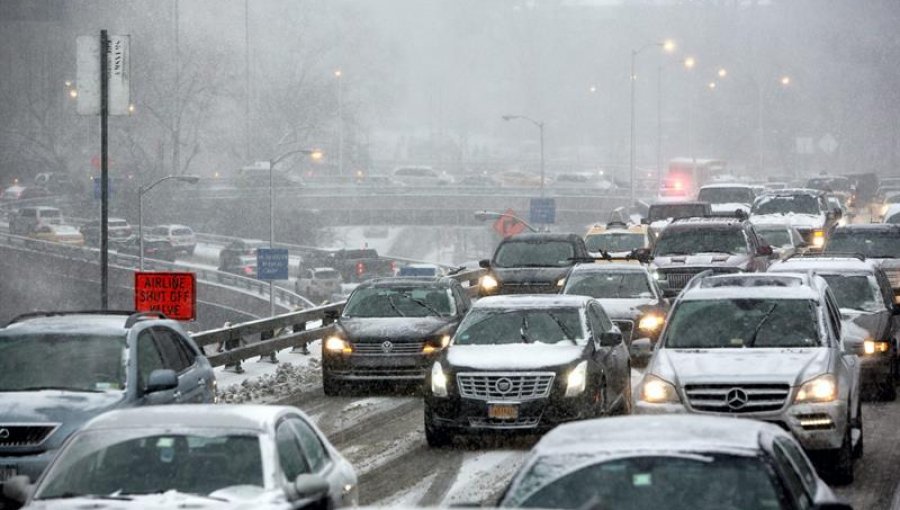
<point x="873" y="346"/>
<point x="651" y="322"/>
<point x="438" y="380"/>
<point x="818" y="389"/>
<point x="658" y="391"/>
<point x="488" y="283"/>
<point x="337" y="344"/>
<point x="561" y="282"/>
<point x="442" y="342"/>
<point x="657" y="275"/>
<point x="577" y="380"/>
<point x="818" y="238"/>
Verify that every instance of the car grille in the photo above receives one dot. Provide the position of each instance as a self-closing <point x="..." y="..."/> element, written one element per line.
<point x="894" y="277"/>
<point x="384" y="372"/>
<point x="731" y="398"/>
<point x="491" y="423"/>
<point x="25" y="435"/>
<point x="387" y="348"/>
<point x="505" y="386"/>
<point x="627" y="329"/>
<point x="678" y="279"/>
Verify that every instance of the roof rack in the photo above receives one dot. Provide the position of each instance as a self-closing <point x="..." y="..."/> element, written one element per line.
<point x="830" y="255"/>
<point x="133" y="317"/>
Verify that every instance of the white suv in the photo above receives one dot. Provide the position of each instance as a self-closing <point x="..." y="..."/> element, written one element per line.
<point x="180" y="237"/>
<point x="761" y="346"/>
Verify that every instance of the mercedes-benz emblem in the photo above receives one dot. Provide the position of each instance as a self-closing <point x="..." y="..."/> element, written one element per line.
<point x="4" y="433"/>
<point x="387" y="346"/>
<point x="503" y="386"/>
<point x="736" y="399"/>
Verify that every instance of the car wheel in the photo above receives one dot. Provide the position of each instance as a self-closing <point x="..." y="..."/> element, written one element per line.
<point x="435" y="435"/>
<point x="331" y="386"/>
<point x="841" y="465"/>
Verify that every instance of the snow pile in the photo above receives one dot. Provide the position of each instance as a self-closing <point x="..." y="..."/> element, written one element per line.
<point x="264" y="382"/>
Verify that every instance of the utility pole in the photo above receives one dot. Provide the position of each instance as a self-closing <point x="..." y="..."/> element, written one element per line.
<point x="104" y="171"/>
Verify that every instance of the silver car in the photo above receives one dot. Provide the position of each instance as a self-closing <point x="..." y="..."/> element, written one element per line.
<point x="196" y="456"/>
<point x="761" y="346"/>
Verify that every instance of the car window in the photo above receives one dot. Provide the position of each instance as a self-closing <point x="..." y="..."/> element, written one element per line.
<point x="856" y="291"/>
<point x="801" y="463"/>
<point x="149" y="358"/>
<point x="600" y="323"/>
<point x="316" y="455"/>
<point x="609" y="285"/>
<point x="792" y="478"/>
<point x="534" y="254"/>
<point x="173" y="353"/>
<point x="290" y="455"/>
<point x="834" y="314"/>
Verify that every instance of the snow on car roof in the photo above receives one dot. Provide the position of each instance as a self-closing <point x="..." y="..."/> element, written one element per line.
<point x="727" y="185"/>
<point x="824" y="264"/>
<point x="655" y="433"/>
<point x="603" y="268"/>
<point x="531" y="301"/>
<point x="70" y="323"/>
<point x="773" y="292"/>
<point x="242" y="416"/>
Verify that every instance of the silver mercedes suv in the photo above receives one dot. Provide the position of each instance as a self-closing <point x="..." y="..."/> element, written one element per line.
<point x="761" y="346"/>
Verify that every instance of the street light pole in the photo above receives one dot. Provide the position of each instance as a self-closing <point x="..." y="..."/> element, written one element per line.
<point x="339" y="75"/>
<point x="190" y="179"/>
<point x="667" y="46"/>
<point x="540" y="126"/>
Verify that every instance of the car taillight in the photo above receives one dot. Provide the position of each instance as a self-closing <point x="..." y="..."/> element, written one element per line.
<point x="393" y="266"/>
<point x="360" y="268"/>
<point x="248" y="270"/>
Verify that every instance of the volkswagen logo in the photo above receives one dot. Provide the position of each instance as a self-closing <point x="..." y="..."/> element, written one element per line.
<point x="736" y="399"/>
<point x="4" y="433"/>
<point x="503" y="386"/>
<point x="387" y="346"/>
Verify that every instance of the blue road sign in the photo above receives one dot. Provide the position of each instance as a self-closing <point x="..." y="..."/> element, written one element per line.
<point x="543" y="211"/>
<point x="272" y="263"/>
<point x="111" y="189"/>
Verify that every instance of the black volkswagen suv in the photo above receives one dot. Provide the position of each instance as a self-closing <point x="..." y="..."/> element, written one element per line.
<point x="532" y="264"/>
<point x="392" y="329"/>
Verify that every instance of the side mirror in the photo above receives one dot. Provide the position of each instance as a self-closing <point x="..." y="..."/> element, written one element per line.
<point x="740" y="214"/>
<point x="610" y="338"/>
<point x="161" y="379"/>
<point x="18" y="488"/>
<point x="641" y="349"/>
<point x="764" y="251"/>
<point x="484" y="264"/>
<point x="311" y="488"/>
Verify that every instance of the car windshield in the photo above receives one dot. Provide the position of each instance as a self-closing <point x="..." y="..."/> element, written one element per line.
<point x="743" y="323"/>
<point x="856" y="292"/>
<point x="614" y="241"/>
<point x="675" y="211"/>
<point x="871" y="244"/>
<point x="726" y="195"/>
<point x="786" y="204"/>
<point x="63" y="361"/>
<point x="534" y="254"/>
<point x="609" y="285"/>
<point x="485" y="326"/>
<point x="776" y="236"/>
<point x="149" y="461"/>
<point x="400" y="302"/>
<point x="673" y="481"/>
<point x="700" y="240"/>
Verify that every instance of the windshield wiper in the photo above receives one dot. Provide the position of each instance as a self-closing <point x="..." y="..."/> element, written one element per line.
<point x="760" y="325"/>
<point x="523" y="331"/>
<point x="563" y="327"/>
<point x="420" y="303"/>
<point x="390" y="300"/>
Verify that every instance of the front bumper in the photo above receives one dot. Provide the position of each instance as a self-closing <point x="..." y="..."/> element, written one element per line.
<point x="471" y="416"/>
<point x="354" y="367"/>
<point x="30" y="465"/>
<point x="818" y="426"/>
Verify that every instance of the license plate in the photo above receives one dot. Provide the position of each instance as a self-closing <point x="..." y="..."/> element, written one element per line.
<point x="7" y="472"/>
<point x="503" y="412"/>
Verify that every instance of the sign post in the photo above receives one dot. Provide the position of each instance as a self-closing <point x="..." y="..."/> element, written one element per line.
<point x="272" y="263"/>
<point x="174" y="294"/>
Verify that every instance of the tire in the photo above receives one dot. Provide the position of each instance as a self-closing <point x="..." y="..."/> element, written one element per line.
<point x="435" y="435"/>
<point x="842" y="460"/>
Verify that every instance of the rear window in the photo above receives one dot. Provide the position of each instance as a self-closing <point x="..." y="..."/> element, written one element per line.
<point x="59" y="360"/>
<point x="535" y="254"/>
<point x="675" y="211"/>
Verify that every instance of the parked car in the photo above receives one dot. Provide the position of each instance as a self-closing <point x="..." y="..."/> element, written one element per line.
<point x="532" y="264"/>
<point x="727" y="199"/>
<point x="64" y="234"/>
<point x="879" y="242"/>
<point x="671" y="462"/>
<point x="527" y="363"/>
<point x="767" y="347"/>
<point x="26" y="219"/>
<point x="805" y="209"/>
<point x="318" y="282"/>
<point x="692" y="245"/>
<point x="60" y="369"/>
<point x="239" y="456"/>
<point x="180" y="237"/>
<point x="784" y="239"/>
<point x="631" y="298"/>
<point x="616" y="239"/>
<point x="391" y="329"/>
<point x="119" y="231"/>
<point x="866" y="299"/>
<point x="425" y="176"/>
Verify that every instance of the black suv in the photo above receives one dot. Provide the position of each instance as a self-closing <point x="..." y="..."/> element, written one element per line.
<point x="692" y="245"/>
<point x="392" y="329"/>
<point x="60" y="369"/>
<point x="532" y="264"/>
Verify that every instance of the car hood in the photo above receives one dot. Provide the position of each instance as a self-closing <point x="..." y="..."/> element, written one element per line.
<point x="626" y="308"/>
<point x="700" y="259"/>
<point x="530" y="275"/>
<point x="69" y="409"/>
<point x="393" y="328"/>
<point x="791" y="366"/>
<point x="232" y="498"/>
<point x="517" y="356"/>
<point x="793" y="219"/>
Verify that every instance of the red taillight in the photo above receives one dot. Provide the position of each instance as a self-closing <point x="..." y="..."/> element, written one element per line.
<point x="360" y="268"/>
<point x="393" y="266"/>
<point x="248" y="270"/>
<point x="678" y="185"/>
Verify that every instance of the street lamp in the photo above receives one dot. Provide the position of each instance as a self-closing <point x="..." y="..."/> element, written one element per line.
<point x="493" y="215"/>
<point x="190" y="179"/>
<point x="540" y="126"/>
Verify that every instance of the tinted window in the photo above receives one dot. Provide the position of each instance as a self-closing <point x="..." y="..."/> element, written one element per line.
<point x="497" y="326"/>
<point x="149" y="358"/>
<point x="675" y="211"/>
<point x="290" y="455"/>
<point x="76" y="362"/>
<point x="534" y="254"/>
<point x="857" y="292"/>
<point x="173" y="352"/>
<point x="400" y="302"/>
<point x="316" y="455"/>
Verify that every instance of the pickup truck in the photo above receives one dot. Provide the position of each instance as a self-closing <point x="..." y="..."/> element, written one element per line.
<point x="354" y="265"/>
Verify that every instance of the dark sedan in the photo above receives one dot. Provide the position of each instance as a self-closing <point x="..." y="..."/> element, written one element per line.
<point x="532" y="264"/>
<point x="392" y="329"/>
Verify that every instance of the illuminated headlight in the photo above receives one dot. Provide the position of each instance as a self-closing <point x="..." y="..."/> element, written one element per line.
<point x="873" y="346"/>
<point x="577" y="380"/>
<point x="488" y="283"/>
<point x="818" y="238"/>
<point x="337" y="344"/>
<point x="818" y="389"/>
<point x="443" y="342"/>
<point x="438" y="380"/>
<point x="658" y="391"/>
<point x="657" y="275"/>
<point x="651" y="323"/>
<point x="884" y="209"/>
<point x="561" y="282"/>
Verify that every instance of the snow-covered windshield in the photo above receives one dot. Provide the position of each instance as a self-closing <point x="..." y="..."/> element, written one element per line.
<point x="610" y="285"/>
<point x="743" y="323"/>
<point x="485" y="326"/>
<point x="672" y="481"/>
<point x="400" y="302"/>
<point x="80" y="362"/>
<point x="775" y="236"/>
<point x="786" y="204"/>
<point x="148" y="461"/>
<point x="534" y="254"/>
<point x="856" y="292"/>
<point x="700" y="240"/>
<point x="735" y="195"/>
<point x="614" y="241"/>
<point x="880" y="245"/>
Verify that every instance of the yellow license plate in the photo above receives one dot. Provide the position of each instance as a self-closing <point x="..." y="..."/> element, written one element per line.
<point x="503" y="412"/>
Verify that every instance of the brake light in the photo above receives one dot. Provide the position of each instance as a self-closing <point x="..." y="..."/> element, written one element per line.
<point x="248" y="270"/>
<point x="393" y="266"/>
<point x="360" y="268"/>
<point x="678" y="185"/>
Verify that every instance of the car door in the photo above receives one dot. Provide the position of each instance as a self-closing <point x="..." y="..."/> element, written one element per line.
<point x="849" y="362"/>
<point x="149" y="358"/>
<point x="342" y="486"/>
<point x="192" y="379"/>
<point x="613" y="359"/>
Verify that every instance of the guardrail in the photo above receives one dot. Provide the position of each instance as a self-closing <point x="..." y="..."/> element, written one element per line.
<point x="295" y="329"/>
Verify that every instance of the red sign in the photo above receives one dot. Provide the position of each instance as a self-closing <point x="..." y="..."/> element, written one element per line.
<point x="174" y="294"/>
<point x="507" y="225"/>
